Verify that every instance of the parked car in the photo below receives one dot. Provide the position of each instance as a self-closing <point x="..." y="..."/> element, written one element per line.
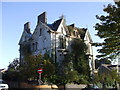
<point x="91" y="87"/>
<point x="3" y="85"/>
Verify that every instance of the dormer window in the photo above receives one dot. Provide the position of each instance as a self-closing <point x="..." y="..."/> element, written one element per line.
<point x="40" y="33"/>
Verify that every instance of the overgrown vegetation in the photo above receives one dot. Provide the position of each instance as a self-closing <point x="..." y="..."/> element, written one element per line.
<point x="108" y="29"/>
<point x="107" y="80"/>
<point x="71" y="29"/>
<point x="79" y="30"/>
<point x="74" y="67"/>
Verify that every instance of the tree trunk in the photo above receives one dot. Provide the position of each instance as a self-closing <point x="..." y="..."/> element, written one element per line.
<point x="64" y="86"/>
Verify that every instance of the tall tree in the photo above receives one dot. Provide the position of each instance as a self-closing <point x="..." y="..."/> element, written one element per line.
<point x="109" y="30"/>
<point x="75" y="64"/>
<point x="80" y="62"/>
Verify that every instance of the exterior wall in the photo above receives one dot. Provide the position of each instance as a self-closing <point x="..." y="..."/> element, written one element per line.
<point x="56" y="40"/>
<point x="88" y="42"/>
<point x="42" y="37"/>
<point x="23" y="40"/>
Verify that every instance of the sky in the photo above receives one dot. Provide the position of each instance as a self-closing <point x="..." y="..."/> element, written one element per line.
<point x="15" y="14"/>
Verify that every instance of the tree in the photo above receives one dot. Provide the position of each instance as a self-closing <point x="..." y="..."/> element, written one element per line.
<point x="109" y="30"/>
<point x="13" y="66"/>
<point x="32" y="63"/>
<point x="48" y="70"/>
<point x="80" y="61"/>
<point x="75" y="66"/>
<point x="28" y="70"/>
<point x="107" y="79"/>
<point x="12" y="73"/>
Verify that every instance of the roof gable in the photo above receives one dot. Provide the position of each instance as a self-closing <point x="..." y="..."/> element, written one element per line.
<point x="88" y="37"/>
<point x="54" y="26"/>
<point x="25" y="36"/>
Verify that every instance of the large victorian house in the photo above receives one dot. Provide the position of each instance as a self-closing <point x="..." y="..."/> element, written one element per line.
<point x="54" y="39"/>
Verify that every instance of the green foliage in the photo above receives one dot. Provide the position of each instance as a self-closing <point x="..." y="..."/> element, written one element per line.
<point x="13" y="69"/>
<point x="80" y="62"/>
<point x="28" y="70"/>
<point x="109" y="79"/>
<point x="71" y="29"/>
<point x="32" y="63"/>
<point x="48" y="69"/>
<point x="35" y="62"/>
<point x="109" y="30"/>
<point x="75" y="66"/>
<point x="78" y="47"/>
<point x="81" y="32"/>
<point x="72" y="76"/>
<point x="84" y="79"/>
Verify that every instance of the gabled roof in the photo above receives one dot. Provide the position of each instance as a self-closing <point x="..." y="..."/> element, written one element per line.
<point x="82" y="35"/>
<point x="27" y="34"/>
<point x="109" y="66"/>
<point x="54" y="26"/>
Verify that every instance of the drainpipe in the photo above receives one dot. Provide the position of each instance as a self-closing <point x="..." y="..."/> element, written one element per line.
<point x="55" y="48"/>
<point x="118" y="87"/>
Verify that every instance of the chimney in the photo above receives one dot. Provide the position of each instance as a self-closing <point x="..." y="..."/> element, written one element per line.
<point x="42" y="18"/>
<point x="27" y="27"/>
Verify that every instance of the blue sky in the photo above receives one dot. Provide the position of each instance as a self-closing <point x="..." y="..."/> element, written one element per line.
<point x="15" y="14"/>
